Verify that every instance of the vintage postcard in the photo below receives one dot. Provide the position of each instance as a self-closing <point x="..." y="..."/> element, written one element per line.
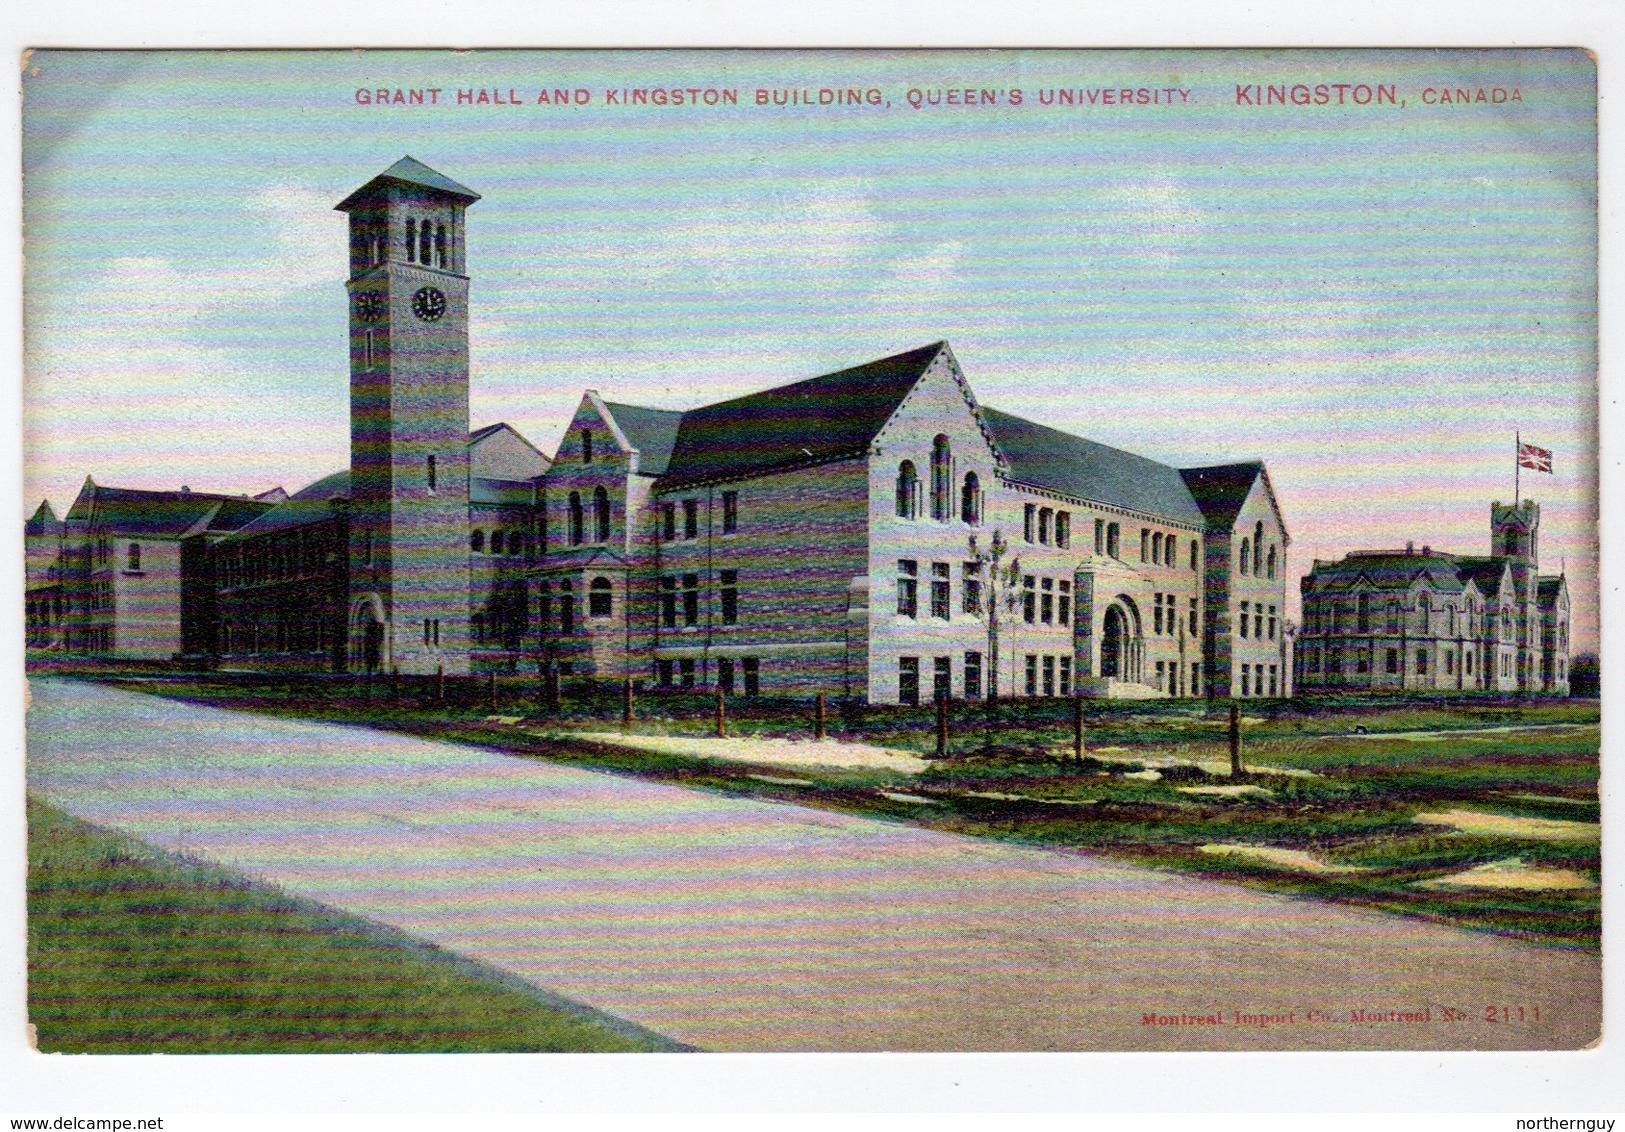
<point x="800" y="551"/>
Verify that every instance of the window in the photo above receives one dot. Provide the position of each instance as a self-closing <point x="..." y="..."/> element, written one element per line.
<point x="908" y="587"/>
<point x="1066" y="676"/>
<point x="942" y="679"/>
<point x="411" y="240"/>
<point x="1272" y="623"/>
<point x="1063" y="603"/>
<point x="668" y="601"/>
<point x="668" y="521"/>
<point x="1274" y="676"/>
<point x="691" y="599"/>
<point x="663" y="672"/>
<point x="1168" y="545"/>
<point x="586" y="446"/>
<point x="577" y="536"/>
<point x="1421" y="662"/>
<point x="942" y="471"/>
<point x="1246" y="678"/>
<point x="1196" y="679"/>
<point x="544" y="606"/>
<point x="730" y="512"/>
<point x="940" y="578"/>
<point x="425" y="242"/>
<point x="1100" y="536"/>
<point x="1029" y="595"/>
<point x="516" y="542"/>
<point x="1393" y="617"/>
<point x="598" y="598"/>
<point x="1246" y="556"/>
<point x="973" y="675"/>
<point x="1424" y="610"/>
<point x="1029" y="522"/>
<point x="908" y="680"/>
<point x="1046" y="601"/>
<point x="440" y="245"/>
<point x="1156" y="548"/>
<point x="567" y="610"/>
<point x="1114" y="545"/>
<point x="1145" y="544"/>
<point x="497" y="541"/>
<point x="730" y="597"/>
<point x="1271" y="565"/>
<point x="1049" y="675"/>
<point x="908" y="491"/>
<point x="970" y="500"/>
<point x="685" y="671"/>
<point x="1258" y="620"/>
<point x="753" y="675"/>
<point x="1156" y="615"/>
<point x="1162" y="676"/>
<point x="970" y="588"/>
<point x="476" y="542"/>
<point x="430" y="471"/>
<point x="1449" y="663"/>
<point x="1046" y="517"/>
<point x="1063" y="529"/>
<point x="1193" y="617"/>
<point x="133" y="557"/>
<point x="600" y="509"/>
<point x="1362" y="614"/>
<point x="691" y="518"/>
<point x="1031" y="674"/>
<point x="1193" y="556"/>
<point x="1391" y="661"/>
<point x="725" y="674"/>
<point x="1243" y="622"/>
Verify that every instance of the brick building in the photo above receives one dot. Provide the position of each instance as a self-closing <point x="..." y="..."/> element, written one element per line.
<point x="875" y="532"/>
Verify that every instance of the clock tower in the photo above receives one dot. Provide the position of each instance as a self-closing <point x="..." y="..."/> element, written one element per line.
<point x="408" y="298"/>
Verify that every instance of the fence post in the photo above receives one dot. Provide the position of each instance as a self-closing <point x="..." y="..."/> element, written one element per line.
<point x="1235" y="741"/>
<point x="942" y="727"/>
<point x="818" y="720"/>
<point x="1077" y="729"/>
<point x="722" y="717"/>
<point x="626" y="702"/>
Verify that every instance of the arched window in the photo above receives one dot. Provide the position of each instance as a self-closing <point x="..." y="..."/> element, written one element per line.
<point x="1193" y="554"/>
<point x="1063" y="529"/>
<point x="598" y="598"/>
<point x="411" y="240"/>
<point x="576" y="534"/>
<point x="498" y="540"/>
<point x="586" y="446"/>
<point x="970" y="500"/>
<point x="476" y="542"/>
<point x="425" y="243"/>
<point x="429" y="471"/>
<point x="1246" y="556"/>
<point x="440" y="245"/>
<point x="1156" y="548"/>
<point x="908" y="491"/>
<point x="942" y="471"/>
<point x="544" y="606"/>
<point x="600" y="509"/>
<point x="1272" y="562"/>
<point x="1258" y="545"/>
<point x="134" y="556"/>
<point x="1046" y="519"/>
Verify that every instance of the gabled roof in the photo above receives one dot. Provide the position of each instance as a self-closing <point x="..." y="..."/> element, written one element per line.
<point x="807" y="422"/>
<point x="133" y="511"/>
<point x="44" y="520"/>
<point x="1048" y="458"/>
<point x="337" y="484"/>
<point x="1486" y="572"/>
<point x="1221" y="489"/>
<point x="653" y="432"/>
<point x="310" y="504"/>
<point x="480" y="434"/>
<point x="1549" y="586"/>
<point x="408" y="171"/>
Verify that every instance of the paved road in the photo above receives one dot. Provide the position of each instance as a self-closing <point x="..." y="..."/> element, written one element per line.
<point x="745" y="925"/>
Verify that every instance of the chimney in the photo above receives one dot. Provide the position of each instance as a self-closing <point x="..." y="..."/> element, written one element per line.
<point x="1410" y="548"/>
<point x="1427" y="550"/>
<point x="185" y="490"/>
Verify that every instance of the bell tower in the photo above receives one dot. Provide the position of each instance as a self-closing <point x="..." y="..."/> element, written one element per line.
<point x="408" y="300"/>
<point x="1515" y="532"/>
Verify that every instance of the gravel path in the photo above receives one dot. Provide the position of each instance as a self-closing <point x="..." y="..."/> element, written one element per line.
<point x="745" y="925"/>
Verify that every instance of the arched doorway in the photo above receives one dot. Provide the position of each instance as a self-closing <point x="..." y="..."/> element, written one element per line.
<point x="1114" y="640"/>
<point x="369" y="646"/>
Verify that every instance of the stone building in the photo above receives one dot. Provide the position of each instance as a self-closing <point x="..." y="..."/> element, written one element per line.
<point x="1428" y="620"/>
<point x="856" y="533"/>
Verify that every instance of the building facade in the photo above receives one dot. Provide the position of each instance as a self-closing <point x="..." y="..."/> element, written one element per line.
<point x="1426" y="620"/>
<point x="874" y="533"/>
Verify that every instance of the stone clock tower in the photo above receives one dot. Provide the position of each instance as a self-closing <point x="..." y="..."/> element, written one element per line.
<point x="408" y="296"/>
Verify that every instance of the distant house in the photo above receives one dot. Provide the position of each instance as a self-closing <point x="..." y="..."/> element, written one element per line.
<point x="1427" y="620"/>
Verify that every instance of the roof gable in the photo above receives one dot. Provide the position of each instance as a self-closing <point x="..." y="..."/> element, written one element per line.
<point x="811" y="421"/>
<point x="408" y="171"/>
<point x="1221" y="490"/>
<point x="653" y="432"/>
<point x="1049" y="458"/>
<point x="500" y="451"/>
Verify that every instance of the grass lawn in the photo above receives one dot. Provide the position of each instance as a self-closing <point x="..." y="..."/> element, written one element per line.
<point x="132" y="950"/>
<point x="1156" y="790"/>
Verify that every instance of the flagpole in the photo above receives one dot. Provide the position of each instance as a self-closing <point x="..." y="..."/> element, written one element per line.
<point x="1517" y="463"/>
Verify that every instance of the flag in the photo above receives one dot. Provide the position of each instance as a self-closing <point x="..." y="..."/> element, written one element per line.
<point x="1540" y="459"/>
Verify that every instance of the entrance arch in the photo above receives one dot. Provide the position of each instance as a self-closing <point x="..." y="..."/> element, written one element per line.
<point x="1114" y="641"/>
<point x="369" y="643"/>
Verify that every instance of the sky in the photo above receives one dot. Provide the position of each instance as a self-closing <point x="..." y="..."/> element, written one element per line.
<point x="1372" y="298"/>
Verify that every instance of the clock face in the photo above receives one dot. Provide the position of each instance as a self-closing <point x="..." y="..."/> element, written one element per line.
<point x="369" y="306"/>
<point x="429" y="304"/>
